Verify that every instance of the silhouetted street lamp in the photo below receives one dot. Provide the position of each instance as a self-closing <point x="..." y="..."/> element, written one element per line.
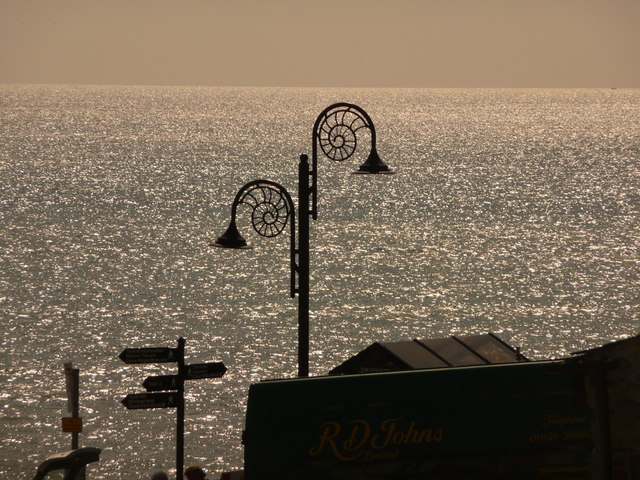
<point x="335" y="132"/>
<point x="272" y="207"/>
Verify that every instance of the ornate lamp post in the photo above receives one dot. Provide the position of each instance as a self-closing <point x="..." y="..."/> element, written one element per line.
<point x="272" y="207"/>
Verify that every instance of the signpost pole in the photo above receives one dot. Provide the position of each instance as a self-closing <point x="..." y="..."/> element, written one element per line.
<point x="72" y="380"/>
<point x="180" y="412"/>
<point x="76" y="408"/>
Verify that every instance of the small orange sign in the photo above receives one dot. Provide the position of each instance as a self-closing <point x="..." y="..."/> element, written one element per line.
<point x="72" y="424"/>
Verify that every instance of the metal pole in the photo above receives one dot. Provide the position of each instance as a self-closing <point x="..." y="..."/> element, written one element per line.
<point x="72" y="379"/>
<point x="303" y="261"/>
<point x="76" y="406"/>
<point x="180" y="412"/>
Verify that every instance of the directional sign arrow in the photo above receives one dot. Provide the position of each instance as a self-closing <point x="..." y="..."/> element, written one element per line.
<point x="149" y="355"/>
<point x="135" y="401"/>
<point x="205" y="370"/>
<point x="161" y="382"/>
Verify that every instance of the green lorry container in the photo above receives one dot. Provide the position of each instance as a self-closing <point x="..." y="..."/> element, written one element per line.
<point x="517" y="421"/>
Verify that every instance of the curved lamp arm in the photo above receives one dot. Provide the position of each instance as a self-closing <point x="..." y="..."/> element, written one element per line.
<point x="271" y="207"/>
<point x="335" y="132"/>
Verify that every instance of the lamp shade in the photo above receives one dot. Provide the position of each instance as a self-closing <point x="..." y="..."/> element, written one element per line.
<point x="231" y="238"/>
<point x="374" y="164"/>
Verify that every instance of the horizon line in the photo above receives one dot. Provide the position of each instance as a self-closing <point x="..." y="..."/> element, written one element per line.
<point x="190" y="85"/>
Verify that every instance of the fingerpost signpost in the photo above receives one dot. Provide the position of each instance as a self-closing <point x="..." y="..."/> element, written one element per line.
<point x="167" y="391"/>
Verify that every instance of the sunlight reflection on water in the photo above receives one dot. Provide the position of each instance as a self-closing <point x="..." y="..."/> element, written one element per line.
<point x="511" y="211"/>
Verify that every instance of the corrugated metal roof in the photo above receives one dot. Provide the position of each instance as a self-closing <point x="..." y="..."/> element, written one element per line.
<point x="414" y="354"/>
<point x="430" y="353"/>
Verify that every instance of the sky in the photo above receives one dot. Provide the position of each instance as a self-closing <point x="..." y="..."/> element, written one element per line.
<point x="323" y="43"/>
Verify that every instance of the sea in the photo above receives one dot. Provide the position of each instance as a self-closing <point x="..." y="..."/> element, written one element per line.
<point x="511" y="211"/>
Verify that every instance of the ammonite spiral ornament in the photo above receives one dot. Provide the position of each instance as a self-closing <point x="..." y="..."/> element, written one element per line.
<point x="270" y="209"/>
<point x="337" y="132"/>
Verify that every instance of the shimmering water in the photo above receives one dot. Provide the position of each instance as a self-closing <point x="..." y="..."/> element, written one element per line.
<point x="512" y="211"/>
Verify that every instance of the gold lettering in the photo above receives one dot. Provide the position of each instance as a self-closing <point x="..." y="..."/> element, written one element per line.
<point x="388" y="455"/>
<point x="330" y="430"/>
<point x="544" y="437"/>
<point x="359" y="429"/>
<point x="360" y="440"/>
<point x="390" y="424"/>
<point x="577" y="435"/>
<point x="413" y="436"/>
<point x="327" y="437"/>
<point x="558" y="421"/>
